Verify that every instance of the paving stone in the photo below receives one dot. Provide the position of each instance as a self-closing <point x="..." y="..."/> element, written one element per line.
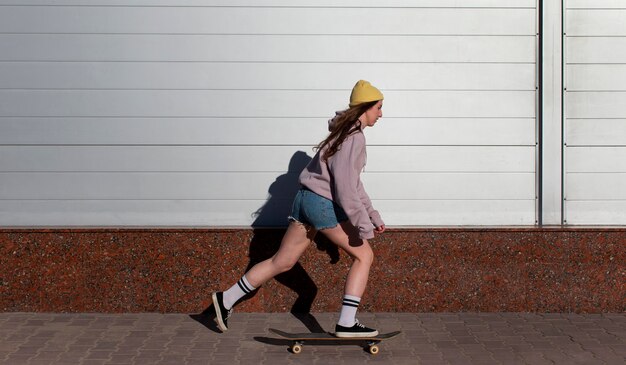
<point x="117" y="358"/>
<point x="17" y="359"/>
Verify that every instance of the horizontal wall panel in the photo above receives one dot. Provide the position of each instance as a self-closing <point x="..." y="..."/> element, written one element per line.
<point x="144" y="186"/>
<point x="596" y="186"/>
<point x="277" y="159"/>
<point x="450" y="186"/>
<point x="603" y="212"/>
<point x="286" y="20"/>
<point x="254" y="186"/>
<point x="457" y="212"/>
<point x="596" y="77"/>
<point x="242" y="212"/>
<point x="144" y="212"/>
<point x="596" y="159"/>
<point x="168" y="75"/>
<point x="595" y="4"/>
<point x="461" y="104"/>
<point x="596" y="105"/>
<point x="283" y="103"/>
<point x="162" y="131"/>
<point x="260" y="131"/>
<point x="257" y="158"/>
<point x="451" y="159"/>
<point x="600" y="22"/>
<point x="595" y="50"/>
<point x="452" y="131"/>
<point x="596" y="132"/>
<point x="266" y="48"/>
<point x="283" y="3"/>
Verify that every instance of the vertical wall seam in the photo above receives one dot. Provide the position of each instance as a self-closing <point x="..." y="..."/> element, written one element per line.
<point x="563" y="106"/>
<point x="539" y="142"/>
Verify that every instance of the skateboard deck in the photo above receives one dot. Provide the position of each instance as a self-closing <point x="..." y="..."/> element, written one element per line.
<point x="300" y="338"/>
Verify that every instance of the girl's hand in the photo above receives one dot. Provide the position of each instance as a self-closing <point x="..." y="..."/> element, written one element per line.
<point x="380" y="229"/>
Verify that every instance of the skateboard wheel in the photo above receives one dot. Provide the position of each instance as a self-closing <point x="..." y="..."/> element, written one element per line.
<point x="296" y="349"/>
<point x="374" y="350"/>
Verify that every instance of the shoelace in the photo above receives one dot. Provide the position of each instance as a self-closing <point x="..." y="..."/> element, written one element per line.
<point x="358" y="324"/>
<point x="228" y="314"/>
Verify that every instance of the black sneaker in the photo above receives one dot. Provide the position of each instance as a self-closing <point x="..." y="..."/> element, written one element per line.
<point x="222" y="314"/>
<point x="358" y="330"/>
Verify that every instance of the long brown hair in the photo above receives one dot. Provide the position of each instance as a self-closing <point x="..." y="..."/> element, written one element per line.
<point x="344" y="125"/>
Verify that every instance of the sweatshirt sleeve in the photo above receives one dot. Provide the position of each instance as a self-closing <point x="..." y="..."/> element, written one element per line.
<point x="345" y="167"/>
<point x="373" y="213"/>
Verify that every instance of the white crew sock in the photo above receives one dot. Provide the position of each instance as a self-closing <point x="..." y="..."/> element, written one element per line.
<point x="237" y="291"/>
<point x="347" y="317"/>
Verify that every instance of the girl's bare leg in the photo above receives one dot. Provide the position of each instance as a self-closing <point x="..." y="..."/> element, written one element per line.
<point x="294" y="243"/>
<point x="345" y="235"/>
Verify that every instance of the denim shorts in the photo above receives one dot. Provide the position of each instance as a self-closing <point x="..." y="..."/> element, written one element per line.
<point x="316" y="211"/>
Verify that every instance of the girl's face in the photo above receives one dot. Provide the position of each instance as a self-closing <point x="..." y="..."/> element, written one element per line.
<point x="370" y="117"/>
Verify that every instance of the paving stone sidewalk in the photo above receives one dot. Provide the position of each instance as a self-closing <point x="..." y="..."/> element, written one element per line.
<point x="429" y="339"/>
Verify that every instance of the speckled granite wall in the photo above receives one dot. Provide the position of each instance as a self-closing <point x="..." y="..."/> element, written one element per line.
<point x="416" y="270"/>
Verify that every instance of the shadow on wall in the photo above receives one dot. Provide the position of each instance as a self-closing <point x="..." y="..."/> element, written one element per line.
<point x="281" y="194"/>
<point x="265" y="243"/>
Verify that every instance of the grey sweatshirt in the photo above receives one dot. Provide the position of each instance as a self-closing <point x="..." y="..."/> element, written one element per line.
<point x="339" y="181"/>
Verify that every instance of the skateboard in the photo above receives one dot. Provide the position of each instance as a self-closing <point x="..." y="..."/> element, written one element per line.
<point x="300" y="338"/>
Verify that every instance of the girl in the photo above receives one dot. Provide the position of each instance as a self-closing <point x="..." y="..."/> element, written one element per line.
<point x="332" y="200"/>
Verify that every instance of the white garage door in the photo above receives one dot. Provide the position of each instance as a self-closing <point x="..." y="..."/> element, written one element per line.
<point x="163" y="112"/>
<point x="595" y="112"/>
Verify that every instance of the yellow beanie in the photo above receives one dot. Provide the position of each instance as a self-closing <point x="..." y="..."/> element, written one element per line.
<point x="364" y="92"/>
